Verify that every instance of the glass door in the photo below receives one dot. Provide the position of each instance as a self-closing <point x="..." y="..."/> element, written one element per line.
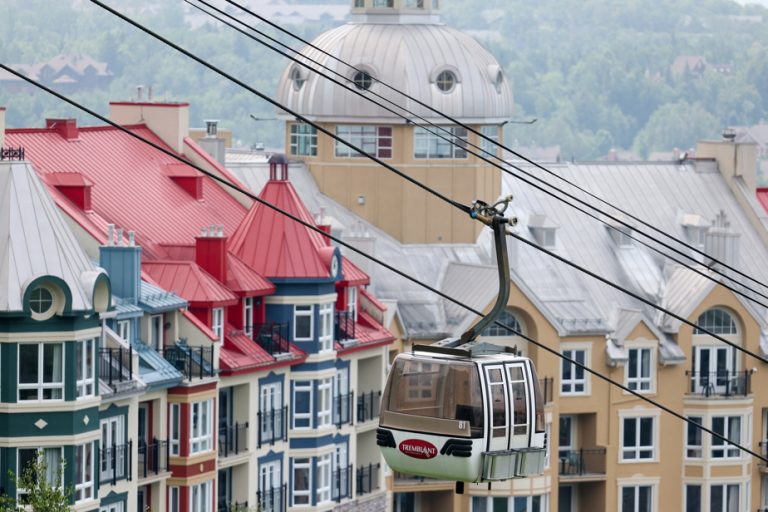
<point x="498" y="400"/>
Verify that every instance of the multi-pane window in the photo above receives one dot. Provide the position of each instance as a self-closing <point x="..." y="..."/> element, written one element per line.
<point x="489" y="141"/>
<point x="156" y="330"/>
<point x="535" y="503"/>
<point x="248" y="316"/>
<point x="113" y="453"/>
<point x="509" y="320"/>
<point x="383" y="3"/>
<point x="573" y="379"/>
<point x="174" y="503"/>
<point x="174" y="428"/>
<point x="352" y="301"/>
<point x="730" y="428"/>
<point x="302" y="322"/>
<point x="217" y="324"/>
<point x="302" y="404"/>
<point x="301" y="481"/>
<point x="270" y="403"/>
<point x="566" y="437"/>
<point x="724" y="498"/>
<point x="303" y="140"/>
<point x="448" y="142"/>
<point x="374" y="140"/>
<point x="113" y="507"/>
<point x="694" y="441"/>
<point x="84" y="472"/>
<point x="324" y="478"/>
<point x="201" y="426"/>
<point x="324" y="401"/>
<point x="637" y="439"/>
<point x="326" y="326"/>
<point x="50" y="457"/>
<point x="636" y="498"/>
<point x="639" y="369"/>
<point x="692" y="498"/>
<point x="716" y="321"/>
<point x="201" y="497"/>
<point x="85" y="367"/>
<point x="270" y="487"/>
<point x="124" y="329"/>
<point x="41" y="371"/>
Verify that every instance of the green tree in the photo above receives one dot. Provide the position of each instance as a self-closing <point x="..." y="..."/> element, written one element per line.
<point x="40" y="494"/>
<point x="678" y="124"/>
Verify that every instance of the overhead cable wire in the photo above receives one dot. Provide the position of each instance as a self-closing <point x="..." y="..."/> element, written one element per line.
<point x="525" y="159"/>
<point x="461" y="207"/>
<point x="391" y="268"/>
<point x="451" y="139"/>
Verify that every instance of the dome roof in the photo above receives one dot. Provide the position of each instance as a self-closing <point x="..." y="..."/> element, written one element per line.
<point x="433" y="63"/>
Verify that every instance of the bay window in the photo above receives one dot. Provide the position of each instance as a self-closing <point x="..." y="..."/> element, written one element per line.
<point x="41" y="371"/>
<point x="201" y="426"/>
<point x="86" y="368"/>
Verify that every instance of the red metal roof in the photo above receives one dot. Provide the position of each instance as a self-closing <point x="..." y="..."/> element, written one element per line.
<point x="286" y="249"/>
<point x="189" y="281"/>
<point x="353" y="276"/>
<point x="241" y="278"/>
<point x="369" y="333"/>
<point x="762" y="196"/>
<point x="240" y="353"/>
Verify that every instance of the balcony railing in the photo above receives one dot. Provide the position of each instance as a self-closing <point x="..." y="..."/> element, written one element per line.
<point x="272" y="426"/>
<point x="11" y="153"/>
<point x="116" y="364"/>
<point x="153" y="458"/>
<point x="587" y="461"/>
<point x="720" y="384"/>
<point x="273" y="337"/>
<point x="368" y="479"/>
<point x="547" y="385"/>
<point x="345" y="326"/>
<point x="115" y="463"/>
<point x="271" y="500"/>
<point x="368" y="406"/>
<point x="342" y="483"/>
<point x="342" y="409"/>
<point x="193" y="362"/>
<point x="233" y="439"/>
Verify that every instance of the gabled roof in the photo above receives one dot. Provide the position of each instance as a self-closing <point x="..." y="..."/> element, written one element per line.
<point x="35" y="241"/>
<point x="286" y="249"/>
<point x="189" y="281"/>
<point x="241" y="353"/>
<point x="352" y="275"/>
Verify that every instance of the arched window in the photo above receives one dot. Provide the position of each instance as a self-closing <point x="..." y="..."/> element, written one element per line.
<point x="446" y="81"/>
<point x="716" y="321"/>
<point x="506" y="318"/>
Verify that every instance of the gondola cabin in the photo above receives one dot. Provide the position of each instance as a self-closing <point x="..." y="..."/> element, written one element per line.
<point x="469" y="414"/>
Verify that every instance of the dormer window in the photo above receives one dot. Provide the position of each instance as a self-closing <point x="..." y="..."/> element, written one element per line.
<point x="41" y="300"/>
<point x="297" y="79"/>
<point x="695" y="227"/>
<point x="621" y="235"/>
<point x="446" y="81"/>
<point x="543" y="230"/>
<point x="383" y="3"/>
<point x="362" y="80"/>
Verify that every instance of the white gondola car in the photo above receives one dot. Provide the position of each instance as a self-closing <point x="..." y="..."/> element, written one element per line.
<point x="469" y="414"/>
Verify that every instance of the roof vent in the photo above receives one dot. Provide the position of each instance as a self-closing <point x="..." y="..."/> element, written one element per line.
<point x="695" y="227"/>
<point x="67" y="128"/>
<point x="543" y="230"/>
<point x="720" y="243"/>
<point x="190" y="180"/>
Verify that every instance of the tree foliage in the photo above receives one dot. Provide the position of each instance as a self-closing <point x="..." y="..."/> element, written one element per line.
<point x="40" y="495"/>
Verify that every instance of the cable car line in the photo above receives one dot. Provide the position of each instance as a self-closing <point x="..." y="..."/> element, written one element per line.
<point x="451" y="140"/>
<point x="511" y="151"/>
<point x="372" y="258"/>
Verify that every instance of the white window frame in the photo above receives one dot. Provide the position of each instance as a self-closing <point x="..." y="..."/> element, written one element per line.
<point x="371" y="139"/>
<point x="725" y="487"/>
<point x="40" y="385"/>
<point x="86" y="382"/>
<point x="326" y="326"/>
<point x="113" y="507"/>
<point x="325" y="402"/>
<point x="217" y="322"/>
<point x="719" y="449"/>
<point x="174" y="428"/>
<point x="303" y="139"/>
<point x="633" y="453"/>
<point x="491" y="131"/>
<point x="114" y="428"/>
<point x="124" y="329"/>
<point x="84" y="453"/>
<point x="640" y="382"/>
<point x="302" y="386"/>
<point x="694" y="451"/>
<point x="173" y="499"/>
<point x="270" y="478"/>
<point x="157" y="344"/>
<point x="435" y="143"/>
<point x="270" y="403"/>
<point x="201" y="497"/>
<point x="248" y="316"/>
<point x="301" y="497"/>
<point x="636" y="487"/>
<point x="324" y="470"/>
<point x="568" y="386"/>
<point x="352" y="299"/>
<point x="692" y="485"/>
<point x="304" y="310"/>
<point x="21" y="492"/>
<point x="201" y="433"/>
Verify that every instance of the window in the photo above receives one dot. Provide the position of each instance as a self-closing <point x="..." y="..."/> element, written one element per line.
<point x="414" y="4"/>
<point x="636" y="499"/>
<point x="41" y="371"/>
<point x="113" y="507"/>
<point x="692" y="498"/>
<point x="174" y="428"/>
<point x="383" y="3"/>
<point x="302" y="476"/>
<point x="302" y="323"/>
<point x="716" y="321"/>
<point x="324" y="401"/>
<point x="714" y="370"/>
<point x="448" y="142"/>
<point x="548" y="437"/>
<point x="565" y="440"/>
<point x="489" y="141"/>
<point x="724" y="498"/>
<point x="270" y="406"/>
<point x="374" y="140"/>
<point x="730" y="428"/>
<point x="217" y="324"/>
<point x="508" y="319"/>
<point x="359" y="3"/>
<point x="324" y="478"/>
<point x="693" y="438"/>
<point x="40" y="300"/>
<point x="84" y="472"/>
<point x="248" y="316"/>
<point x="297" y="79"/>
<point x="302" y="404"/>
<point x="326" y="326"/>
<point x="637" y="439"/>
<point x="174" y="502"/>
<point x="573" y="379"/>
<point x="536" y="503"/>
<point x="352" y="301"/>
<point x="341" y="473"/>
<point x="124" y="329"/>
<point x="156" y="332"/>
<point x="270" y="487"/>
<point x="445" y="81"/>
<point x="113" y="449"/>
<point x="303" y="140"/>
<point x="201" y="497"/>
<point x="51" y="457"/>
<point x="201" y="426"/>
<point x="85" y="367"/>
<point x="639" y="369"/>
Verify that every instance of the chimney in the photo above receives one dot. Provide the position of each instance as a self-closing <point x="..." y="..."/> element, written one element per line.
<point x="122" y="261"/>
<point x="67" y="128"/>
<point x="736" y="157"/>
<point x="211" y="251"/>
<point x="2" y="127"/>
<point x="168" y="120"/>
<point x="212" y="143"/>
<point x="721" y="243"/>
<point x="278" y="167"/>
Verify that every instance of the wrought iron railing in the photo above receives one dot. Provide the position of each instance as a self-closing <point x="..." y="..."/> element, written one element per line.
<point x="368" y="406"/>
<point x="368" y="479"/>
<point x="272" y="426"/>
<point x="345" y="326"/>
<point x="273" y="337"/>
<point x="11" y="153"/>
<point x="586" y="461"/>
<point x="272" y="500"/>
<point x="720" y="384"/>
<point x="193" y="362"/>
<point x="116" y="364"/>
<point x="342" y="409"/>
<point x="547" y="385"/>
<point x="153" y="458"/>
<point x="115" y="463"/>
<point x="342" y="483"/>
<point x="233" y="439"/>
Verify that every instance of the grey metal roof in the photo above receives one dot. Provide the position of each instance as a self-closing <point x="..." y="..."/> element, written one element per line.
<point x="157" y="300"/>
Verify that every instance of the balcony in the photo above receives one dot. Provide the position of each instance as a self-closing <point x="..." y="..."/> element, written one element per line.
<point x="342" y="483"/>
<point x="583" y="464"/>
<point x="153" y="458"/>
<point x="368" y="479"/>
<point x="342" y="409"/>
<point x="273" y="337"/>
<point x="271" y="500"/>
<point x="272" y="426"/>
<point x="368" y="406"/>
<point x="547" y="386"/>
<point x="345" y="326"/>
<point x="233" y="439"/>
<point x="722" y="384"/>
<point x="115" y="463"/>
<point x="193" y="362"/>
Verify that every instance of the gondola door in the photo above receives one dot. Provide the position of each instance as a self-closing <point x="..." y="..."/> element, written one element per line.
<point x="499" y="412"/>
<point x="519" y="413"/>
